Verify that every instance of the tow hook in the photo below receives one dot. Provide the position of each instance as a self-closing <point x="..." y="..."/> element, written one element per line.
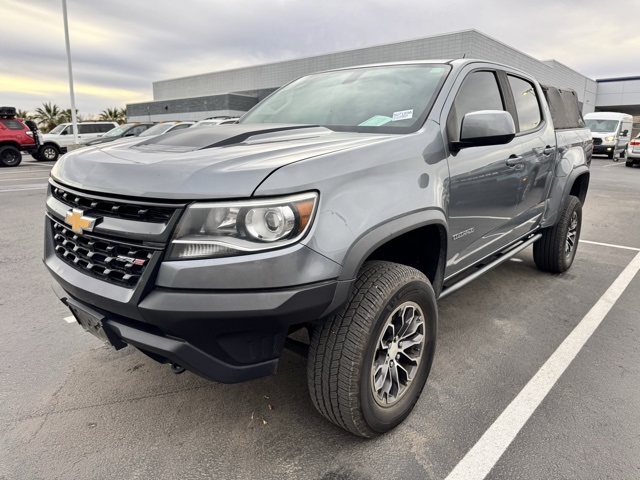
<point x="177" y="369"/>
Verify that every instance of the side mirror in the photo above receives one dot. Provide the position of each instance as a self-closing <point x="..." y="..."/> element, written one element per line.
<point x="129" y="134"/>
<point x="624" y="133"/>
<point x="485" y="127"/>
<point x="64" y="132"/>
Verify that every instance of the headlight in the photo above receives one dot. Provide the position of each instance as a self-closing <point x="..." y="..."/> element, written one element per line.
<point x="609" y="139"/>
<point x="223" y="229"/>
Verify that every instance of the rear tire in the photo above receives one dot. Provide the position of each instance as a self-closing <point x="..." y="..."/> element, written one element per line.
<point x="555" y="251"/>
<point x="36" y="156"/>
<point x="48" y="152"/>
<point x="359" y="374"/>
<point x="10" y="156"/>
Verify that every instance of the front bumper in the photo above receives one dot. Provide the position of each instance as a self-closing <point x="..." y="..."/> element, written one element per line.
<point x="226" y="335"/>
<point x="207" y="333"/>
<point x="603" y="149"/>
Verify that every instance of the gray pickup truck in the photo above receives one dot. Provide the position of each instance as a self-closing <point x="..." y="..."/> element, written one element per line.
<point x="345" y="203"/>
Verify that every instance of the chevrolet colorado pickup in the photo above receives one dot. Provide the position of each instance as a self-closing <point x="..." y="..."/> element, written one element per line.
<point x="345" y="203"/>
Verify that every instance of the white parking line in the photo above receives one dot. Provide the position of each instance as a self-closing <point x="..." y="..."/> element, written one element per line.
<point x="23" y="178"/>
<point x="23" y="189"/>
<point x="613" y="165"/>
<point x="70" y="319"/>
<point x="23" y="171"/>
<point x="483" y="456"/>
<point x="611" y="245"/>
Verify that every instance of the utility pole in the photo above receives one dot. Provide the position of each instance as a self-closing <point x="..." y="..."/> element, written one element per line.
<point x="74" y="120"/>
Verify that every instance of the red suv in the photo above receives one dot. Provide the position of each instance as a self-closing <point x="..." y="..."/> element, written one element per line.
<point x="16" y="136"/>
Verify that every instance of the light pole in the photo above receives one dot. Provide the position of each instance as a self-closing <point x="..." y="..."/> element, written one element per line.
<point x="74" y="120"/>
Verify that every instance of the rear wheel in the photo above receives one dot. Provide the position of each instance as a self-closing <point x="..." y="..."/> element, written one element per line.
<point x="49" y="152"/>
<point x="10" y="156"/>
<point x="369" y="363"/>
<point x="555" y="251"/>
<point x="36" y="156"/>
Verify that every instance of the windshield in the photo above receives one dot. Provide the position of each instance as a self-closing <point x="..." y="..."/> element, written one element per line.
<point x="58" y="129"/>
<point x="602" y="126"/>
<point x="385" y="99"/>
<point x="118" y="131"/>
<point x="156" y="129"/>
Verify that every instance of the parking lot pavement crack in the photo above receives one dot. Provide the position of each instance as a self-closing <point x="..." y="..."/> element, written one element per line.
<point x="114" y="402"/>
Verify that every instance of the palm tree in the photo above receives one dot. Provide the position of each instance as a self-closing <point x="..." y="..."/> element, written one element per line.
<point x="23" y="114"/>
<point x="48" y="116"/>
<point x="114" y="115"/>
<point x="65" y="116"/>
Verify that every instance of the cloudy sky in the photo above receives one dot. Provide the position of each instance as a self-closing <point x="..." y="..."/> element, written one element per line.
<point x="119" y="47"/>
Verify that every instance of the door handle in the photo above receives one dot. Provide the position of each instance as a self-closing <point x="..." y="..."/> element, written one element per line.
<point x="548" y="150"/>
<point x="514" y="160"/>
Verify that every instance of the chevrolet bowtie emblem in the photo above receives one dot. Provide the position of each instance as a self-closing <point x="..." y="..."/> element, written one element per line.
<point x="79" y="222"/>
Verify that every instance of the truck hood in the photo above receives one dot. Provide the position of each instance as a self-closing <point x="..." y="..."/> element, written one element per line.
<point x="228" y="161"/>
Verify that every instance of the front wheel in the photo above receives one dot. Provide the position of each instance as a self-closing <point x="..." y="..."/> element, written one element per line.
<point x="49" y="152"/>
<point x="10" y="156"/>
<point x="369" y="363"/>
<point x="628" y="164"/>
<point x="555" y="251"/>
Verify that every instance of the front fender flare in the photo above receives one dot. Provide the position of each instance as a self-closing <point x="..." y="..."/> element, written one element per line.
<point x="377" y="236"/>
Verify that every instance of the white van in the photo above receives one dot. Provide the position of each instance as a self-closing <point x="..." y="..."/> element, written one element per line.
<point x="57" y="140"/>
<point x="611" y="132"/>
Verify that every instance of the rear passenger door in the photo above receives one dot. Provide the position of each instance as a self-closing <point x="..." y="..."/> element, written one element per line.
<point x="483" y="185"/>
<point x="537" y="149"/>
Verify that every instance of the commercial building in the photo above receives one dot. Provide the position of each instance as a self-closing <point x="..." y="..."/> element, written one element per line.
<point x="233" y="92"/>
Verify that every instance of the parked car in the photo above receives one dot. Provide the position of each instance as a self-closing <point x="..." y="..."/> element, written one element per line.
<point x="611" y="132"/>
<point x="57" y="140"/>
<point x="341" y="205"/>
<point x="164" y="127"/>
<point x="16" y="136"/>
<point x="633" y="152"/>
<point x="216" y="122"/>
<point x="123" y="131"/>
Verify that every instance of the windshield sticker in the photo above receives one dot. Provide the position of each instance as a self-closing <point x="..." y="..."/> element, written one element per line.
<point x="403" y="115"/>
<point x="375" y="121"/>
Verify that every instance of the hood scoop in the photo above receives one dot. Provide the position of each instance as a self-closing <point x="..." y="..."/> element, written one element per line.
<point x="200" y="138"/>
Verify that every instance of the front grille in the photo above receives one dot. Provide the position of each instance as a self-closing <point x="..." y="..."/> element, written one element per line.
<point x="106" y="259"/>
<point x="114" y="208"/>
<point x="597" y="141"/>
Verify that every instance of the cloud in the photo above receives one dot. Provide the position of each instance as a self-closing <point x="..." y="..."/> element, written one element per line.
<point x="120" y="47"/>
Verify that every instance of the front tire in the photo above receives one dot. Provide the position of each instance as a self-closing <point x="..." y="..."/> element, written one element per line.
<point x="49" y="152"/>
<point x="10" y="156"/>
<point x="628" y="164"/>
<point x="369" y="363"/>
<point x="555" y="251"/>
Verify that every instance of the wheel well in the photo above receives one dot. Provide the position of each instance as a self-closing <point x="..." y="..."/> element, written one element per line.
<point x="51" y="144"/>
<point x="580" y="186"/>
<point x="10" y="144"/>
<point x="423" y="249"/>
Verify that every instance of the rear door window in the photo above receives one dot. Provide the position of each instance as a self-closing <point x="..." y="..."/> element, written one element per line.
<point x="86" y="129"/>
<point x="103" y="127"/>
<point x="527" y="104"/>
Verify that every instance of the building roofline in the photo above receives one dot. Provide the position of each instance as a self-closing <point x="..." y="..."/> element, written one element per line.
<point x="616" y="79"/>
<point x="469" y="30"/>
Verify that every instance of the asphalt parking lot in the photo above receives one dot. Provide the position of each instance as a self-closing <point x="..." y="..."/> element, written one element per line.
<point x="71" y="408"/>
